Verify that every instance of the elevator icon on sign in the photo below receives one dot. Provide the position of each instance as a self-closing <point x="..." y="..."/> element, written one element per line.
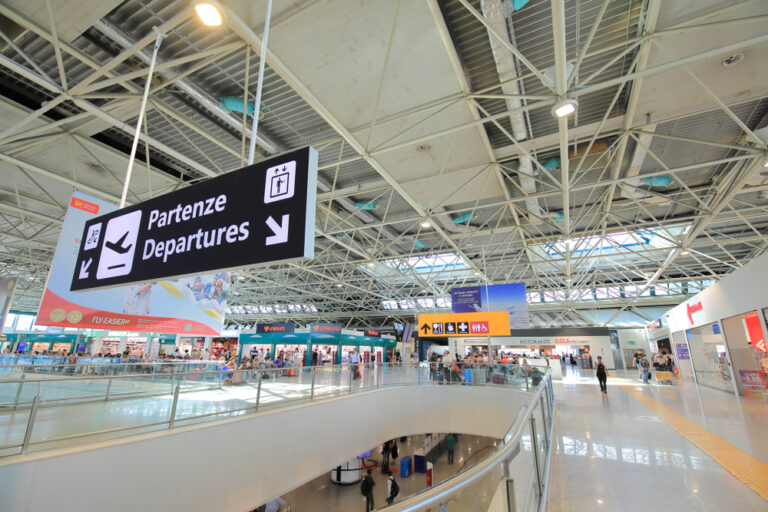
<point x="280" y="182"/>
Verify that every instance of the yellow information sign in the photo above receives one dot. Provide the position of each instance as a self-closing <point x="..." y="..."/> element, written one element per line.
<point x="440" y="325"/>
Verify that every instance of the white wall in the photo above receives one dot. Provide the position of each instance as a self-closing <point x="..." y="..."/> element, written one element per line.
<point x="636" y="335"/>
<point x="741" y="291"/>
<point x="238" y="464"/>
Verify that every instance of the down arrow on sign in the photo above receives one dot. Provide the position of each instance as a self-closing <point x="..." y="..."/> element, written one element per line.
<point x="280" y="230"/>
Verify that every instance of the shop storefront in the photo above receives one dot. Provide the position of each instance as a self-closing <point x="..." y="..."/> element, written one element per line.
<point x="291" y="352"/>
<point x="115" y="342"/>
<point x="58" y="344"/>
<point x="584" y="344"/>
<point x="326" y="354"/>
<point x="191" y="344"/>
<point x="164" y="346"/>
<point x="723" y="331"/>
<point x="331" y="348"/>
<point x="220" y="347"/>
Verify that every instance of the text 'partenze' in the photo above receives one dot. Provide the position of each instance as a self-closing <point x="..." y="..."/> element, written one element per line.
<point x="197" y="240"/>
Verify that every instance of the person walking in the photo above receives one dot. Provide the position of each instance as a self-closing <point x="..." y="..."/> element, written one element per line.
<point x="636" y="360"/>
<point x="602" y="375"/>
<point x="386" y="451"/>
<point x="450" y="444"/>
<point x="366" y="489"/>
<point x="354" y="362"/>
<point x="392" y="488"/>
<point x="645" y="367"/>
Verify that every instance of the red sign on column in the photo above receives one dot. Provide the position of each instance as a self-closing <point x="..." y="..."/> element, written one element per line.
<point x="755" y="331"/>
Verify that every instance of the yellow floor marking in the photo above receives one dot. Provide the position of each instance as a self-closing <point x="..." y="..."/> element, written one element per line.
<point x="752" y="472"/>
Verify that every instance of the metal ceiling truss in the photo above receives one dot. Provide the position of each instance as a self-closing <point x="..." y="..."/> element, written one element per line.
<point x="710" y="217"/>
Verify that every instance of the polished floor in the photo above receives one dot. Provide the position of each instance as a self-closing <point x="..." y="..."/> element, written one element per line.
<point x="632" y="450"/>
<point x="321" y="495"/>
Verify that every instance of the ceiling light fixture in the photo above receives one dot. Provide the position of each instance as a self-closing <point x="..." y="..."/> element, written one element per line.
<point x="339" y="285"/>
<point x="564" y="108"/>
<point x="426" y="224"/>
<point x="685" y="252"/>
<point x="371" y="264"/>
<point x="209" y="14"/>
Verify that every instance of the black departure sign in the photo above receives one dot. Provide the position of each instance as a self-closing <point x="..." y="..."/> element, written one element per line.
<point x="259" y="214"/>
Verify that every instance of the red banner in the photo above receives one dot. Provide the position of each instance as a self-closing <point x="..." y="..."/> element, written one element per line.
<point x="61" y="312"/>
<point x="755" y="331"/>
<point x="82" y="204"/>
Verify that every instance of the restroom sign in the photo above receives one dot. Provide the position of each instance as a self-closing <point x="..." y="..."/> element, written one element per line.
<point x="260" y="214"/>
<point x="482" y="323"/>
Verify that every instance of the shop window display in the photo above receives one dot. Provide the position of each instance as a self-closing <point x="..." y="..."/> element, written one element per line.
<point x="709" y="357"/>
<point x="745" y="337"/>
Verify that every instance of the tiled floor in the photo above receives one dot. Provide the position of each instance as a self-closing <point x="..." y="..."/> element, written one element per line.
<point x="321" y="495"/>
<point x="614" y="454"/>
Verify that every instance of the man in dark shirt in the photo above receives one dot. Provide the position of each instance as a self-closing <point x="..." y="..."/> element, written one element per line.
<point x="602" y="375"/>
<point x="366" y="488"/>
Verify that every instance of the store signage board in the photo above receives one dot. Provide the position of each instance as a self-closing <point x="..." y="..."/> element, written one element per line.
<point x="755" y="331"/>
<point x="373" y="333"/>
<point x="692" y="309"/>
<point x="325" y="328"/>
<point x="260" y="214"/>
<point x="489" y="323"/>
<point x="752" y="379"/>
<point x="682" y="351"/>
<point x="286" y="328"/>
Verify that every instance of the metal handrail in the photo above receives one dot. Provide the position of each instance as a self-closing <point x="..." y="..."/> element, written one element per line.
<point x="446" y="489"/>
<point x="177" y="378"/>
<point x="176" y="375"/>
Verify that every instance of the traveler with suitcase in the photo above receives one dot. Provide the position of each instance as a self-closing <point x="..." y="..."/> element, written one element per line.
<point x="354" y="361"/>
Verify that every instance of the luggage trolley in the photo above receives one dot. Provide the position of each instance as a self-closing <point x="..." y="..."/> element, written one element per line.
<point x="664" y="375"/>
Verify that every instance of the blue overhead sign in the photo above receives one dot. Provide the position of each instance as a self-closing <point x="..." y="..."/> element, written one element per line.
<point x="510" y="297"/>
<point x="286" y="327"/>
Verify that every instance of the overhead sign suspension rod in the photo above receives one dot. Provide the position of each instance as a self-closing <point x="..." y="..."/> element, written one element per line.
<point x="257" y="105"/>
<point x="140" y="120"/>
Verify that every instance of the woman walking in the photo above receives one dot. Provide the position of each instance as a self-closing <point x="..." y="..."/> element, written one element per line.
<point x="602" y="375"/>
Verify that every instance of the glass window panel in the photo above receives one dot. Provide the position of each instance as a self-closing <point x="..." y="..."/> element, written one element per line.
<point x="24" y="322"/>
<point x="9" y="320"/>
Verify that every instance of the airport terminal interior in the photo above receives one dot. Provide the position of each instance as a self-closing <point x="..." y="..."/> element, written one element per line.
<point x="401" y="255"/>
